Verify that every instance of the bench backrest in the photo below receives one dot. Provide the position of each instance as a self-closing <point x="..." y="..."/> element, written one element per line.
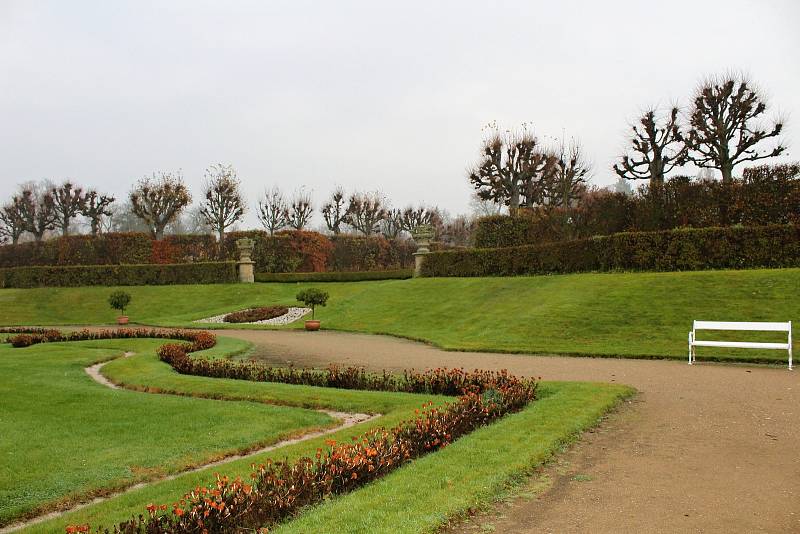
<point x="752" y="326"/>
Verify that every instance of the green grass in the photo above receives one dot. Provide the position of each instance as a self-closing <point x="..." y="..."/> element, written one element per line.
<point x="65" y="437"/>
<point x="609" y="314"/>
<point x="441" y="485"/>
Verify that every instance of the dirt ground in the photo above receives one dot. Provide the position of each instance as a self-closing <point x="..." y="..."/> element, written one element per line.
<point x="706" y="448"/>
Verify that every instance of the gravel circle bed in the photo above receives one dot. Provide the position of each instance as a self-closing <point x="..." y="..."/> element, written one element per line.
<point x="289" y="317"/>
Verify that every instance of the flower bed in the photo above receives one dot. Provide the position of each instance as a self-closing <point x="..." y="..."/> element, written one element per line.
<point x="279" y="490"/>
<point x="253" y="315"/>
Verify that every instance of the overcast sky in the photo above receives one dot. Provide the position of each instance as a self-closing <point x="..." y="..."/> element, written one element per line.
<point x="369" y="95"/>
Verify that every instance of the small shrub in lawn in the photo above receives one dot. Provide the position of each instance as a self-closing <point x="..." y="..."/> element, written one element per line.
<point x="313" y="297"/>
<point x="253" y="315"/>
<point x="119" y="300"/>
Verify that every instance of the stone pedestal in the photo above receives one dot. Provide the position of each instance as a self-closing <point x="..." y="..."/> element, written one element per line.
<point x="247" y="271"/>
<point x="246" y="265"/>
<point x="422" y="235"/>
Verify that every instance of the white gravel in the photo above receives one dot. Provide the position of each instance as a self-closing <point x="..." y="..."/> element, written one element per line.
<point x="289" y="317"/>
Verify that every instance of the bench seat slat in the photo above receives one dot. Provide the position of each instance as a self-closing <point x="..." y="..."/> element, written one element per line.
<point x="741" y="344"/>
<point x="735" y="325"/>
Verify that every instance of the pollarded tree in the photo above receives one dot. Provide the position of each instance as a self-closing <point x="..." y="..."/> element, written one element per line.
<point x="224" y="204"/>
<point x="725" y="129"/>
<point x="12" y="225"/>
<point x="392" y="224"/>
<point x="365" y="212"/>
<point x="68" y="203"/>
<point x="335" y="211"/>
<point x="159" y="200"/>
<point x="568" y="177"/>
<point x="540" y="177"/>
<point x="37" y="210"/>
<point x="95" y="207"/>
<point x="273" y="210"/>
<point x="505" y="164"/>
<point x="300" y="211"/>
<point x="657" y="147"/>
<point x="413" y="217"/>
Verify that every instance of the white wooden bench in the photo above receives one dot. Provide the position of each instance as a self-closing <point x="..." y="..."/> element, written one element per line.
<point x="747" y="326"/>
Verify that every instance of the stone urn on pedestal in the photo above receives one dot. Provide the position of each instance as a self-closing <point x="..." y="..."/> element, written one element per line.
<point x="246" y="265"/>
<point x="422" y="235"/>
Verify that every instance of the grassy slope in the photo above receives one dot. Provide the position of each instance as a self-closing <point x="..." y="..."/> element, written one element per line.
<point x="63" y="435"/>
<point x="619" y="314"/>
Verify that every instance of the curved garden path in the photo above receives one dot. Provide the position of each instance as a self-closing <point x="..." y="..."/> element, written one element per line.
<point x="708" y="448"/>
<point x="346" y="420"/>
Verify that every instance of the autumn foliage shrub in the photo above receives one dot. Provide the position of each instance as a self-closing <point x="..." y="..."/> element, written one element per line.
<point x="278" y="490"/>
<point x="253" y="315"/>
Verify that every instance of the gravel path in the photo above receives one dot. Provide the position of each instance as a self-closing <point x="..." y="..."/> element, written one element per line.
<point x="707" y="448"/>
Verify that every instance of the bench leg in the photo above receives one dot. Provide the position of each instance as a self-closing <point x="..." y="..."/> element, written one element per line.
<point x="690" y="348"/>
<point x="790" y="357"/>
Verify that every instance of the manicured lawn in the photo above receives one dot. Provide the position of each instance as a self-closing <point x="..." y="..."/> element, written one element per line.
<point x="609" y="314"/>
<point x="65" y="437"/>
<point x="473" y="471"/>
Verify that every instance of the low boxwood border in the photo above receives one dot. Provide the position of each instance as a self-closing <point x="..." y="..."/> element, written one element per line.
<point x="343" y="276"/>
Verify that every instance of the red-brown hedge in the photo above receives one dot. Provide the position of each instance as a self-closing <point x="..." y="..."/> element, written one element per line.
<point x="278" y="490"/>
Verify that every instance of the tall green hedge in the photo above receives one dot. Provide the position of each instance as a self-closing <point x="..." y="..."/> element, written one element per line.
<point x="672" y="250"/>
<point x="119" y="275"/>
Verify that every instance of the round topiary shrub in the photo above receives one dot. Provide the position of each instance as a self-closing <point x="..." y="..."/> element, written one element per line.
<point x="253" y="315"/>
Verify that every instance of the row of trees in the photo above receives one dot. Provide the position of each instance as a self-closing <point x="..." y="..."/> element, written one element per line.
<point x="723" y="129"/>
<point x="159" y="201"/>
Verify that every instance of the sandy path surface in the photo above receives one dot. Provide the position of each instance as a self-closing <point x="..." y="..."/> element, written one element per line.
<point x="707" y="448"/>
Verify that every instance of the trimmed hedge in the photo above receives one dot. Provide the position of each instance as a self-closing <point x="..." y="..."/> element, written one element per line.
<point x="767" y="195"/>
<point x="673" y="250"/>
<point x="350" y="276"/>
<point x="276" y="491"/>
<point x="110" y="249"/>
<point x="119" y="275"/>
<point x="253" y="315"/>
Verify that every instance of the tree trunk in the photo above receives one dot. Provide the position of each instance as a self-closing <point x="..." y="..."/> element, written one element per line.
<point x="65" y="228"/>
<point x="95" y="227"/>
<point x="727" y="172"/>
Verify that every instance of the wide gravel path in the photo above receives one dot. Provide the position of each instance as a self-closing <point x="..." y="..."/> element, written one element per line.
<point x="707" y="448"/>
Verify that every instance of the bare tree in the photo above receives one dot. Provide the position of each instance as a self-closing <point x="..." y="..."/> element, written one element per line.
<point x="724" y="125"/>
<point x="300" y="211"/>
<point x="12" y="225"/>
<point x="538" y="182"/>
<point x="335" y="211"/>
<point x="95" y="207"/>
<point x="657" y="147"/>
<point x="159" y="200"/>
<point x="223" y="204"/>
<point x="392" y="224"/>
<point x="457" y="231"/>
<point x="122" y="219"/>
<point x="68" y="203"/>
<point x="365" y="212"/>
<point x="568" y="176"/>
<point x="413" y="217"/>
<point x="507" y="161"/>
<point x="37" y="210"/>
<point x="272" y="210"/>
<point x="484" y="207"/>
